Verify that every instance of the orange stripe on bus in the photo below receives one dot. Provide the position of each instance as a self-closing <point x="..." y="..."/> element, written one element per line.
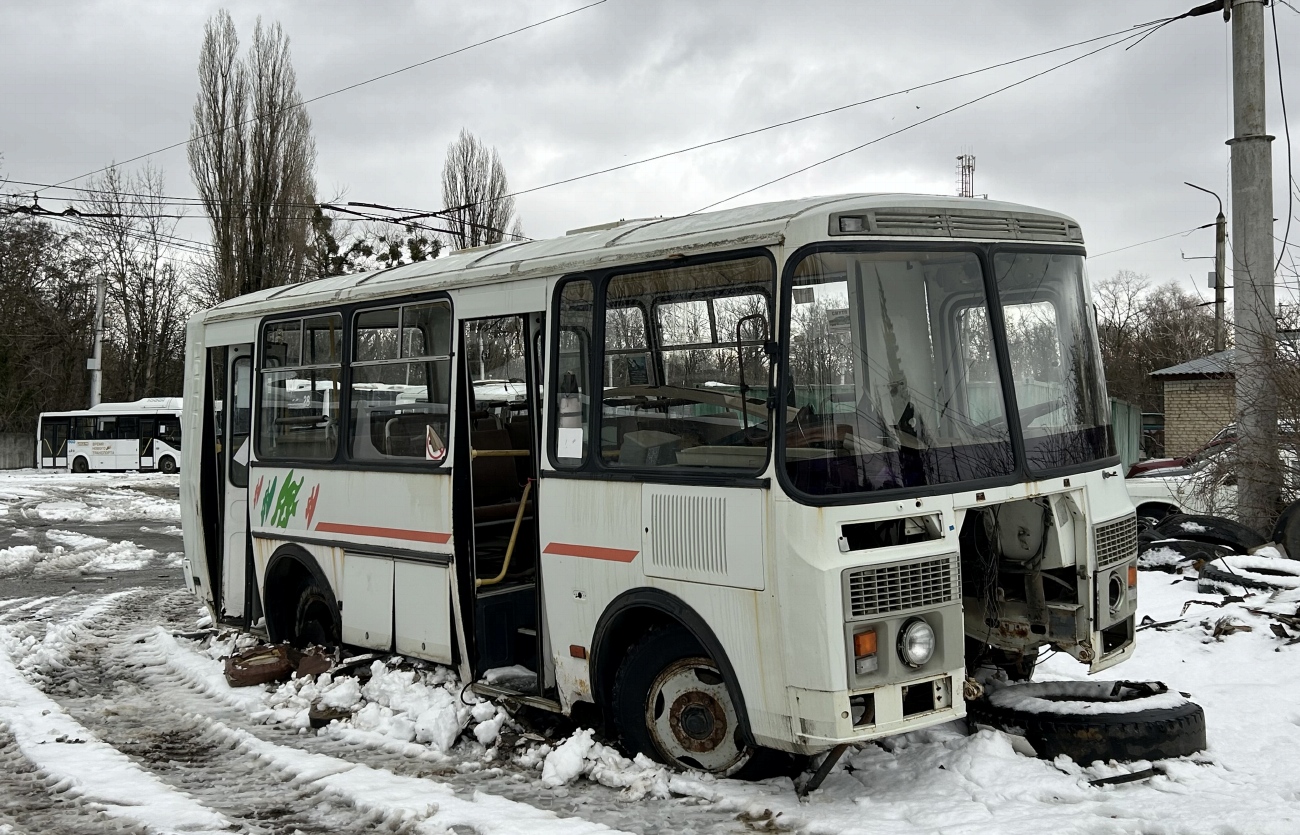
<point x="388" y="533"/>
<point x="590" y="552"/>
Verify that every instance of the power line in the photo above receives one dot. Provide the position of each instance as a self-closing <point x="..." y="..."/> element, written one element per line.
<point x="689" y="148"/>
<point x="914" y="124"/>
<point x="1153" y="240"/>
<point x="344" y="89"/>
<point x="809" y="116"/>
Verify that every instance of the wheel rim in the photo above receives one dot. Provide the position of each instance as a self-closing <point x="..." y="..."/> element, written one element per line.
<point x="692" y="720"/>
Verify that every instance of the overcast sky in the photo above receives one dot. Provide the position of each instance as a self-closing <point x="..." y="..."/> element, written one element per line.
<point x="1108" y="139"/>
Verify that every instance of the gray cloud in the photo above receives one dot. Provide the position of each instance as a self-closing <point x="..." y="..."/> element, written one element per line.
<point x="1109" y="139"/>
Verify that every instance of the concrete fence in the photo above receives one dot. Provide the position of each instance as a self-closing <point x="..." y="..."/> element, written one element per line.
<point x="17" y="449"/>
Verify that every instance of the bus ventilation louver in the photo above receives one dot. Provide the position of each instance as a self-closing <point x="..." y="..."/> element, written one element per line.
<point x="1116" y="541"/>
<point x="964" y="225"/>
<point x="898" y="588"/>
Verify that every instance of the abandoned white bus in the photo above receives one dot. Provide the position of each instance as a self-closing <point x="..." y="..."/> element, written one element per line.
<point x="759" y="478"/>
<point x="141" y="435"/>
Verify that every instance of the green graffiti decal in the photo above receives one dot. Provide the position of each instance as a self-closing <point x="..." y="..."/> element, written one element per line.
<point x="286" y="504"/>
<point x="268" y="498"/>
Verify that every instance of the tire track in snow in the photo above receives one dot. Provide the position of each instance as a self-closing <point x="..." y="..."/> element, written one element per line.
<point x="85" y="768"/>
<point x="185" y="685"/>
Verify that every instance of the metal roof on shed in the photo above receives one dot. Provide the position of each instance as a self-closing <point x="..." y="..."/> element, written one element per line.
<point x="1214" y="365"/>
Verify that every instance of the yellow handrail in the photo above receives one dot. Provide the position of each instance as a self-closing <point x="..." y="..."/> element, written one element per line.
<point x="514" y="533"/>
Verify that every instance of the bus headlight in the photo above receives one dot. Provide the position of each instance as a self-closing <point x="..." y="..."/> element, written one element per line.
<point x="916" y="643"/>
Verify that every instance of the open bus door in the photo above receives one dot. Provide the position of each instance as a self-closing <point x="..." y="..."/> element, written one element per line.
<point x="495" y="505"/>
<point x="225" y="472"/>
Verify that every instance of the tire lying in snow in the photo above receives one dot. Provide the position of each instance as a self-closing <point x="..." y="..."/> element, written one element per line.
<point x="1213" y="529"/>
<point x="1170" y="554"/>
<point x="1095" y="720"/>
<point x="1237" y="572"/>
<point x="1286" y="531"/>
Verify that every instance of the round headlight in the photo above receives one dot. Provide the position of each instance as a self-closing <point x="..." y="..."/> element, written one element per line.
<point x="916" y="643"/>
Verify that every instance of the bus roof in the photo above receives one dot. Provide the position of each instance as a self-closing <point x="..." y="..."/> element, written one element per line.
<point x="144" y="406"/>
<point x="893" y="215"/>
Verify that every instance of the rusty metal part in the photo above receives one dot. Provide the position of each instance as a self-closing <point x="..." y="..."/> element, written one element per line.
<point x="698" y="722"/>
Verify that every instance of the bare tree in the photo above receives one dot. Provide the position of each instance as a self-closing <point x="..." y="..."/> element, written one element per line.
<point x="1143" y="329"/>
<point x="253" y="159"/>
<point x="476" y="194"/>
<point x="47" y="305"/>
<point x="147" y="302"/>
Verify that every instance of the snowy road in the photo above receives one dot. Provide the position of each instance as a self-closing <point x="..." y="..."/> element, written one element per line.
<point x="111" y="720"/>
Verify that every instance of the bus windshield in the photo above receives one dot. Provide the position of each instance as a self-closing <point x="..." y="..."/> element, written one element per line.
<point x="892" y="374"/>
<point x="897" y="384"/>
<point x="1055" y="359"/>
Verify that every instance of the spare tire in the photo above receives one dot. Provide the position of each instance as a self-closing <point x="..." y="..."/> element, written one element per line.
<point x="1095" y="720"/>
<point x="1170" y="554"/>
<point x="1236" y="572"/>
<point x="1286" y="531"/>
<point x="1213" y="529"/>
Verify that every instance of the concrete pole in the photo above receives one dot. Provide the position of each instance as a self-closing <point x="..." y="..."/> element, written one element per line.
<point x="1259" y="477"/>
<point x="96" y="361"/>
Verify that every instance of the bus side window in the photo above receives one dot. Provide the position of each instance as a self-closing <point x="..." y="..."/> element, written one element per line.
<point x="300" y="384"/>
<point x="240" y="420"/>
<point x="571" y="402"/>
<point x="401" y="383"/>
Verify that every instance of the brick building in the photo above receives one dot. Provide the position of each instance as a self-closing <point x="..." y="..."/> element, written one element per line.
<point x="1199" y="401"/>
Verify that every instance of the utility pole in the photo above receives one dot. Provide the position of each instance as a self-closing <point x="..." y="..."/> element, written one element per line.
<point x="1220" y="271"/>
<point x="95" y="363"/>
<point x="1259" y="477"/>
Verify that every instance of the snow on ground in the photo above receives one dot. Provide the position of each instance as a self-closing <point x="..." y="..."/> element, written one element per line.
<point x="82" y="767"/>
<point x="59" y="496"/>
<point x="1223" y="652"/>
<point x="941" y="779"/>
<point x="87" y="556"/>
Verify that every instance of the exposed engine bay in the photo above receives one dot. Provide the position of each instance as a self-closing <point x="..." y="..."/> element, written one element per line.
<point x="1027" y="581"/>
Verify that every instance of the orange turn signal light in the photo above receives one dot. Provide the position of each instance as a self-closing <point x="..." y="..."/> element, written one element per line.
<point x="864" y="643"/>
<point x="1132" y="576"/>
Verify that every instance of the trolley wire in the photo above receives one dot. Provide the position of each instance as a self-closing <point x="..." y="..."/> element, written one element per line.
<point x="697" y="146"/>
<point x="926" y="120"/>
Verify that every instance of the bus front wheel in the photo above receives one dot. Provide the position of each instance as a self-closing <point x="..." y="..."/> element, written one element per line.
<point x="672" y="704"/>
<point x="80" y="465"/>
<point x="316" y="620"/>
<point x="167" y="465"/>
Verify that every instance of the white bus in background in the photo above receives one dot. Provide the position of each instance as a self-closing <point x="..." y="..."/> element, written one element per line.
<point x="763" y="478"/>
<point x="143" y="435"/>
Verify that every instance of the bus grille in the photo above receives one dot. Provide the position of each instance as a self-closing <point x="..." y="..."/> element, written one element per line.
<point x="897" y="588"/>
<point x="1116" y="541"/>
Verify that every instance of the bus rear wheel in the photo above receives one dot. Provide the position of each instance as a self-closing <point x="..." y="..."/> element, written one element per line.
<point x="80" y="465"/>
<point x="167" y="464"/>
<point x="672" y="704"/>
<point x="316" y="620"/>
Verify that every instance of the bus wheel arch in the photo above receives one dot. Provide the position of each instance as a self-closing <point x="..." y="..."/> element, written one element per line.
<point x="80" y="464"/>
<point x="300" y="605"/>
<point x="167" y="464"/>
<point x="636" y="615"/>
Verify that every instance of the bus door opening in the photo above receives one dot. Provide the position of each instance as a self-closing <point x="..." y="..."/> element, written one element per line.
<point x="499" y="414"/>
<point x="224" y="482"/>
<point x="148" y="430"/>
